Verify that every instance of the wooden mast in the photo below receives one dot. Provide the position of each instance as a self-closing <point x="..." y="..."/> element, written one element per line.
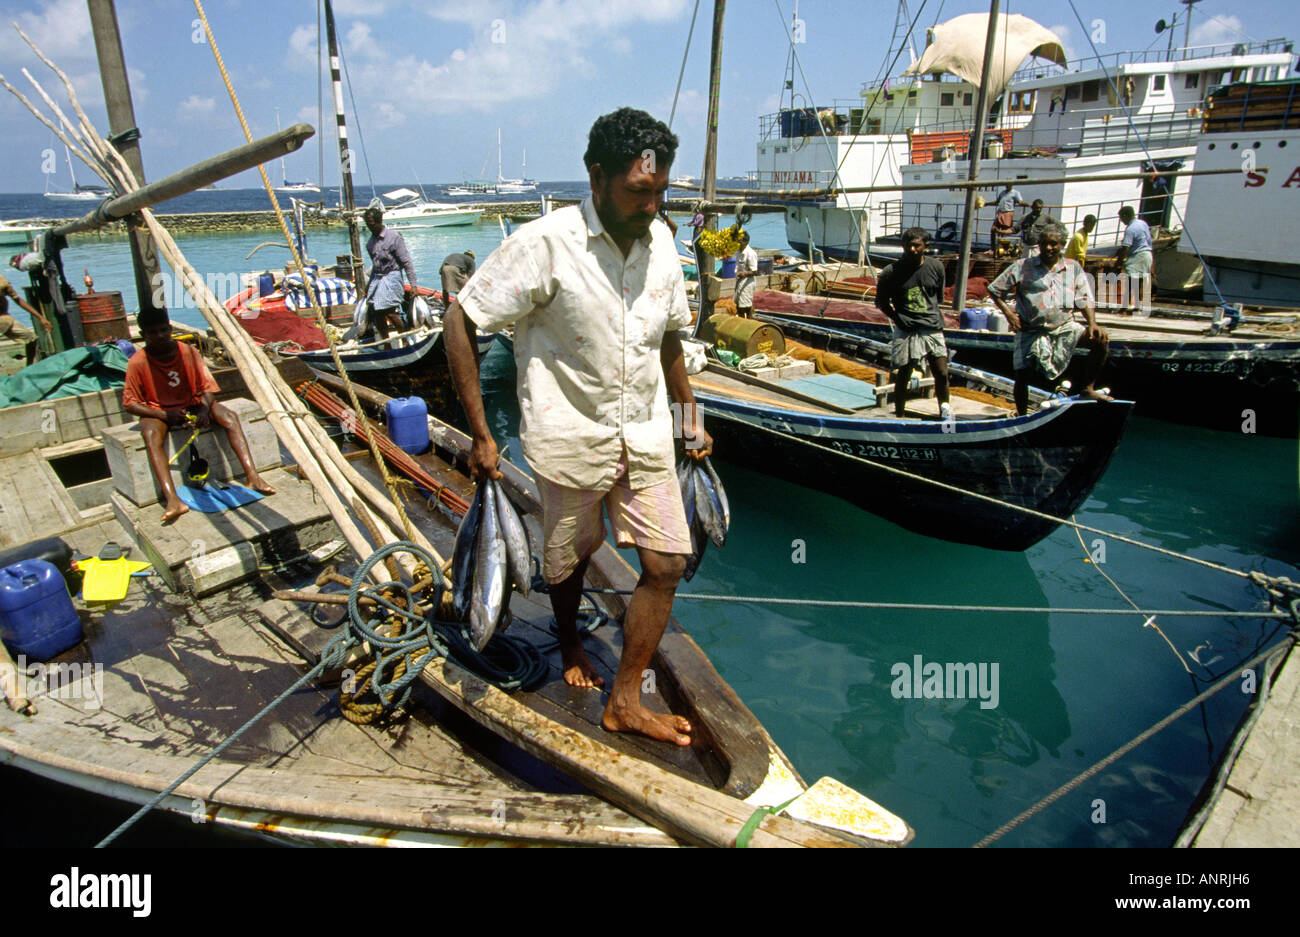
<point x="704" y="260"/>
<point x="345" y="157"/>
<point x="125" y="137"/>
<point x="976" y="146"/>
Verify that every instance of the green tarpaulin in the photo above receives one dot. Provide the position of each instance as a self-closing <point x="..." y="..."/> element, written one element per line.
<point x="79" y="371"/>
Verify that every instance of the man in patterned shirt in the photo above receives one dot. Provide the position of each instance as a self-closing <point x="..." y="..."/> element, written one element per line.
<point x="596" y="295"/>
<point x="1047" y="289"/>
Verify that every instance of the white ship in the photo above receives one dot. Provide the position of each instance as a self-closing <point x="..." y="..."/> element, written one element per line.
<point x="1241" y="223"/>
<point x="1055" y="120"/>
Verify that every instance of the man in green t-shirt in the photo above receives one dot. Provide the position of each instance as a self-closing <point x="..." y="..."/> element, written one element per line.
<point x="908" y="292"/>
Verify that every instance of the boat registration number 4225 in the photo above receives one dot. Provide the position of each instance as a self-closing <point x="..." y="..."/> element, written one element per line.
<point x="875" y="451"/>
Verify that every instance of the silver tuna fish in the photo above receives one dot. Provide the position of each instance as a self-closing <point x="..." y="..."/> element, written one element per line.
<point x="490" y="573"/>
<point x="519" y="553"/>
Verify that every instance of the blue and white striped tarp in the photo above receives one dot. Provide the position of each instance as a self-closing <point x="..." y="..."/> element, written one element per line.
<point x="330" y="291"/>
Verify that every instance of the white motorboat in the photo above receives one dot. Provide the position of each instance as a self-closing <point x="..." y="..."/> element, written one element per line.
<point x="411" y="210"/>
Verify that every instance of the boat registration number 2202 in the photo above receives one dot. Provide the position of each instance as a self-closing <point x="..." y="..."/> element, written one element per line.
<point x="877" y="451"/>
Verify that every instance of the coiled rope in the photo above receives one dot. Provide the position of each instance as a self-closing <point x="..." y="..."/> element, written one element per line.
<point x="412" y="641"/>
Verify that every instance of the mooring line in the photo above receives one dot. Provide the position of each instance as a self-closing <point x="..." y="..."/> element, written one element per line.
<point x="1128" y="746"/>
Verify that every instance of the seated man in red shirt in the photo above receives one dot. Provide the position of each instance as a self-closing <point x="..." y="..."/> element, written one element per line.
<point x="165" y="384"/>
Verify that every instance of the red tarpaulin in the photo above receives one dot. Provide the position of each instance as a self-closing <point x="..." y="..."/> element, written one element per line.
<point x="272" y="322"/>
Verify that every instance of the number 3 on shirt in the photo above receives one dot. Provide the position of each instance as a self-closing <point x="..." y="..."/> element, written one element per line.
<point x="173" y="379"/>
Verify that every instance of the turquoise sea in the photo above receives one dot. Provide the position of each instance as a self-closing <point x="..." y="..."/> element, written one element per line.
<point x="1071" y="687"/>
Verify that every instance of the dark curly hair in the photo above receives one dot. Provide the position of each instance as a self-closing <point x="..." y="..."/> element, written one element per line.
<point x="623" y="135"/>
<point x="150" y="317"/>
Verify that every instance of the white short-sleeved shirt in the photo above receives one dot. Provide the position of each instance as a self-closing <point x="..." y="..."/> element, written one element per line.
<point x="748" y="260"/>
<point x="589" y="325"/>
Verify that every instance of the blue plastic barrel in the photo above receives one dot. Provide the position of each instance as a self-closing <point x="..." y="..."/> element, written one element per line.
<point x="973" y="317"/>
<point x="36" y="614"/>
<point x="728" y="268"/>
<point x="266" y="284"/>
<point x="408" y="423"/>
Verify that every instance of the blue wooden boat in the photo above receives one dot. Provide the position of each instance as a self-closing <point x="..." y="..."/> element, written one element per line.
<point x="920" y="472"/>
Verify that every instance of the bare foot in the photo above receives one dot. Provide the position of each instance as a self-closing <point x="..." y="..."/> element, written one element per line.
<point x="174" y="510"/>
<point x="1095" y="394"/>
<point x="667" y="728"/>
<point x="257" y="484"/>
<point x="578" y="669"/>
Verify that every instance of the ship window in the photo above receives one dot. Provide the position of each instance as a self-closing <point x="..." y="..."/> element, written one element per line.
<point x="1088" y="92"/>
<point x="966" y="99"/>
<point x="911" y="94"/>
<point x="1158" y="84"/>
<point x="946" y="99"/>
<point x="1190" y="81"/>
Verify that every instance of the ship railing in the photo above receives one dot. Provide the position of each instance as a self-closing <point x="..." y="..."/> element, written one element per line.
<point x="943" y="219"/>
<point x="1102" y="130"/>
<point x="1113" y="61"/>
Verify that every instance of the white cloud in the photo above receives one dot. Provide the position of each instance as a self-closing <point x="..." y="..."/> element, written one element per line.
<point x="547" y="44"/>
<point x="361" y="42"/>
<point x="386" y="116"/>
<point x="1220" y="29"/>
<point x="61" y="29"/>
<point x="302" y="44"/>
<point x="195" y="107"/>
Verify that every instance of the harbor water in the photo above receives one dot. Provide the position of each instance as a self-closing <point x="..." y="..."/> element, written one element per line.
<point x="1057" y="691"/>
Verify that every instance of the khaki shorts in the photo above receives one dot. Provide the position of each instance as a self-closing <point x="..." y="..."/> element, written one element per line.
<point x="653" y="518"/>
<point x="11" y="329"/>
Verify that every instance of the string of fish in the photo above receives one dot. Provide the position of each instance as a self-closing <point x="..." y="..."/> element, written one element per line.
<point x="708" y="513"/>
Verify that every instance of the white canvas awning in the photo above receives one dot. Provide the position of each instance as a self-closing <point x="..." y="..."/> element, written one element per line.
<point x="399" y="194"/>
<point x="957" y="48"/>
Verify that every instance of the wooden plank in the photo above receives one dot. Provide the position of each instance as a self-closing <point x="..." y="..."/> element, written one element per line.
<point x="76" y="447"/>
<point x="687" y="811"/>
<point x="482" y="811"/>
<point x="15" y="525"/>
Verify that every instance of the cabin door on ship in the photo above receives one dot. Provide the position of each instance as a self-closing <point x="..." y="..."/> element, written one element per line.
<point x="1157" y="205"/>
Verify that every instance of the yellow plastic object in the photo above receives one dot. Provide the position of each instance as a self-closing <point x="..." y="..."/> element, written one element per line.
<point x="108" y="580"/>
<point x="105" y="580"/>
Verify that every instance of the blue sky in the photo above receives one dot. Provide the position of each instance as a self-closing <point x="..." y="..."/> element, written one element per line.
<point x="433" y="85"/>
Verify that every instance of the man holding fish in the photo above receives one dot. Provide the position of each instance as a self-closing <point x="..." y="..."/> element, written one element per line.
<point x="596" y="295"/>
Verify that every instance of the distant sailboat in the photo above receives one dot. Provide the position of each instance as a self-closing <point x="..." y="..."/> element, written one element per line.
<point x="285" y="185"/>
<point x="512" y="186"/>
<point x="502" y="186"/>
<point x="80" y="193"/>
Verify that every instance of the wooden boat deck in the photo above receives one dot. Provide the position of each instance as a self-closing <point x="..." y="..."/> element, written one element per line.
<point x="771" y="394"/>
<point x="180" y="674"/>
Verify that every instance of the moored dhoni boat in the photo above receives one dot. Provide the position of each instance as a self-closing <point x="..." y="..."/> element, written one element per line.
<point x="836" y="432"/>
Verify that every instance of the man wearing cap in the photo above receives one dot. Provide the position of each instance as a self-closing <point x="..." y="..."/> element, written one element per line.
<point x="456" y="271"/>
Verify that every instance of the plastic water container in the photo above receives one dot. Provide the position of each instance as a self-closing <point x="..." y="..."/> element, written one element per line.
<point x="728" y="268"/>
<point x="408" y="423"/>
<point x="266" y="284"/>
<point x="36" y="614"/>
<point x="998" y="322"/>
<point x="975" y="318"/>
